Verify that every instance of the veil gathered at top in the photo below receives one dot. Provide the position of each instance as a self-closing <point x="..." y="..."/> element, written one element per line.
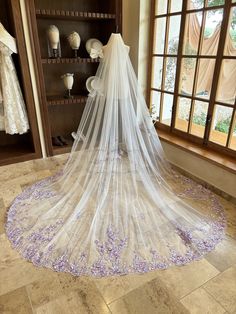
<point x="117" y="207"/>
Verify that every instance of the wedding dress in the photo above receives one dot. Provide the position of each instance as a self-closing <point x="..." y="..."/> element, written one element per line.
<point x="116" y="207"/>
<point x="13" y="116"/>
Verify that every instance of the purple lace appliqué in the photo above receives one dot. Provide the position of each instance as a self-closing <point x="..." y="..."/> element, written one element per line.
<point x="109" y="256"/>
<point x="110" y="252"/>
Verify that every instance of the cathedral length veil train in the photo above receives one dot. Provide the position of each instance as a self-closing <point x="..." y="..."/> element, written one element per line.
<point x="116" y="207"/>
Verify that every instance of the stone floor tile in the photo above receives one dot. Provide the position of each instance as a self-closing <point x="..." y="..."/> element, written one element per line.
<point x="223" y="289"/>
<point x="15" y="302"/>
<point x="182" y="280"/>
<point x="152" y="297"/>
<point x="201" y="302"/>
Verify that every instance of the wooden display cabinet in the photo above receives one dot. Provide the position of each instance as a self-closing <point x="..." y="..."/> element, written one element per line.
<point x="91" y="19"/>
<point x="17" y="148"/>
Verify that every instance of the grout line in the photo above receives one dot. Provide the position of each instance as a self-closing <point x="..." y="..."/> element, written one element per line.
<point x="201" y="286"/>
<point x="139" y="286"/>
<point x="26" y="288"/>
<point x="103" y="299"/>
<point x="99" y="292"/>
<point x="215" y="299"/>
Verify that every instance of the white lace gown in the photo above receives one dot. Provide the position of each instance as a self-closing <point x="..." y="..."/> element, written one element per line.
<point x="13" y="115"/>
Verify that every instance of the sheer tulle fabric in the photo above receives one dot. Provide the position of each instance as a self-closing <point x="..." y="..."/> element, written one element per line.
<point x="116" y="207"/>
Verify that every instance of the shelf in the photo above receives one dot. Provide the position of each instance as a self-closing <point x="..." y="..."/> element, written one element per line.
<point x="15" y="153"/>
<point x="59" y="100"/>
<point x="64" y="14"/>
<point x="57" y="150"/>
<point x="69" y="60"/>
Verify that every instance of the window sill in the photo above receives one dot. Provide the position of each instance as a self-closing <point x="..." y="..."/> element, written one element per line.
<point x="214" y="157"/>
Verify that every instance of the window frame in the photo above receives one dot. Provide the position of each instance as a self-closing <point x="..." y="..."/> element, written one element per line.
<point x="219" y="57"/>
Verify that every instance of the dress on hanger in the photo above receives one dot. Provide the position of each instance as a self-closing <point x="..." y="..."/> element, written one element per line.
<point x="13" y="116"/>
<point x="117" y="207"/>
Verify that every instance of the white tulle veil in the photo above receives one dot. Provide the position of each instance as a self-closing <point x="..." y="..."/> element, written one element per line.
<point x="117" y="207"/>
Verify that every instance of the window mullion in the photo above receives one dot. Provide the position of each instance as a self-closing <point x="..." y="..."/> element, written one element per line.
<point x="231" y="127"/>
<point x="201" y="38"/>
<point x="178" y="63"/>
<point x="219" y="57"/>
<point x="151" y="49"/>
<point x="164" y="60"/>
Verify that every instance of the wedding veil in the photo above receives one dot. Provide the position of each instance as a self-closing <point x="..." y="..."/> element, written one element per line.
<point x="117" y="207"/>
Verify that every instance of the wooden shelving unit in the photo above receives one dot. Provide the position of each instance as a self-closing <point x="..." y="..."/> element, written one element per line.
<point x="69" y="60"/>
<point x="57" y="100"/>
<point x="91" y="19"/>
<point x="62" y="14"/>
<point x="17" y="148"/>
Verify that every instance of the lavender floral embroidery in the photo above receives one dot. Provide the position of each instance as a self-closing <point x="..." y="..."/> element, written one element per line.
<point x="110" y="258"/>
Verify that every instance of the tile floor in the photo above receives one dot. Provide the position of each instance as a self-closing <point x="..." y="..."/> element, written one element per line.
<point x="206" y="286"/>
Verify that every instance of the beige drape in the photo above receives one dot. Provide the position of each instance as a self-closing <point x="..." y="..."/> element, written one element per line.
<point x="227" y="80"/>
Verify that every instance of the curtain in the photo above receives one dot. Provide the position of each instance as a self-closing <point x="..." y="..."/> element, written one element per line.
<point x="227" y="79"/>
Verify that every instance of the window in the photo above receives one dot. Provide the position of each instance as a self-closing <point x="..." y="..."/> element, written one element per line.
<point x="193" y="70"/>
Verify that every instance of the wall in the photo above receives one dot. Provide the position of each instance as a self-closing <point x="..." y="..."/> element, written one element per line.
<point x="130" y="25"/>
<point x="202" y="169"/>
<point x="136" y="34"/>
<point x="143" y="50"/>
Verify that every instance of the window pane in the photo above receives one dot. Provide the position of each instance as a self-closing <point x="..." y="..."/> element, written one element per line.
<point x="161" y="7"/>
<point x="220" y="124"/>
<point x="195" y="4"/>
<point x="170" y="73"/>
<point x="230" y="43"/>
<point x="176" y="6"/>
<point x="157" y="72"/>
<point x="226" y="91"/>
<point x="205" y="76"/>
<point x="198" y="122"/>
<point x="212" y="32"/>
<point x="187" y="75"/>
<point x="167" y="109"/>
<point x="173" y="40"/>
<point x="182" y="114"/>
<point x="155" y="104"/>
<point x="192" y="33"/>
<point x="232" y="141"/>
<point x="160" y="27"/>
<point x="214" y="3"/>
